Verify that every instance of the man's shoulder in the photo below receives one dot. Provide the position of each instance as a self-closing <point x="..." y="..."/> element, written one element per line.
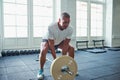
<point x="70" y="27"/>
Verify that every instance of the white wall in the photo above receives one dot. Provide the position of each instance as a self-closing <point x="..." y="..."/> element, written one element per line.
<point x="116" y="23"/>
<point x="70" y="7"/>
<point x="112" y="30"/>
<point x="0" y="27"/>
<point x="108" y="28"/>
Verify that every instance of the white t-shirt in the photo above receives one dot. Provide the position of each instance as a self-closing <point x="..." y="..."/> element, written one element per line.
<point x="53" y="32"/>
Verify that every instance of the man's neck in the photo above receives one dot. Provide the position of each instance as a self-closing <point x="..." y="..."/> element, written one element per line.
<point x="59" y="26"/>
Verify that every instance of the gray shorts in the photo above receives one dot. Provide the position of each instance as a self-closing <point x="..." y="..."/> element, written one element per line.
<point x="56" y="46"/>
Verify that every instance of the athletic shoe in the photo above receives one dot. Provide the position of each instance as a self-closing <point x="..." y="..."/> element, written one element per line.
<point x="40" y="74"/>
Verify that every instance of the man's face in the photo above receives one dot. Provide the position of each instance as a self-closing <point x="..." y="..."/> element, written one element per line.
<point x="64" y="22"/>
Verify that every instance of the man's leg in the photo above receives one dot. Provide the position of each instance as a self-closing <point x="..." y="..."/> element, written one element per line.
<point x="67" y="49"/>
<point x="42" y="58"/>
<point x="71" y="51"/>
<point x="42" y="55"/>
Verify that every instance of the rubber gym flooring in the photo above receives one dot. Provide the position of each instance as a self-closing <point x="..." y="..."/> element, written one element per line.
<point x="101" y="66"/>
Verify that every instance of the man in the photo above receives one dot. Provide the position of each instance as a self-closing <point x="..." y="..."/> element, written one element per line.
<point x="58" y="36"/>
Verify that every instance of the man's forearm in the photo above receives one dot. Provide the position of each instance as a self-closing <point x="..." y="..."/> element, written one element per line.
<point x="66" y="45"/>
<point x="51" y="46"/>
<point x="53" y="52"/>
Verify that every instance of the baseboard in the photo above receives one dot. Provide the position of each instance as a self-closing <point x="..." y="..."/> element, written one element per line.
<point x="0" y="54"/>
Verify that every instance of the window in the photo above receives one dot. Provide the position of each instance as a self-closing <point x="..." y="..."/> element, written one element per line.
<point x="89" y="19"/>
<point x="42" y="16"/>
<point x="99" y="0"/>
<point x="81" y="29"/>
<point x="96" y="19"/>
<point x="15" y="18"/>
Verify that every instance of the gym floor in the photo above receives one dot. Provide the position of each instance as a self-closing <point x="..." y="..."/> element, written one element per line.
<point x="91" y="66"/>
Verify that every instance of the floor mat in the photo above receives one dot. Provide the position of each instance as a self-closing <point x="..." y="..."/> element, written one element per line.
<point x="96" y="50"/>
<point x="114" y="49"/>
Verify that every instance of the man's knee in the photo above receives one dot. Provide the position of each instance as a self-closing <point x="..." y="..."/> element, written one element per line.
<point x="71" y="48"/>
<point x="44" y="50"/>
<point x="71" y="51"/>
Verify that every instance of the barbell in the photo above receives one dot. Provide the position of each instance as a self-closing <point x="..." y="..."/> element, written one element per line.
<point x="63" y="68"/>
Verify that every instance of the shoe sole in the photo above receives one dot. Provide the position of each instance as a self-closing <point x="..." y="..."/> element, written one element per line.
<point x="41" y="78"/>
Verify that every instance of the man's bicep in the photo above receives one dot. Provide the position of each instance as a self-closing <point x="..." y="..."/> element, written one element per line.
<point x="50" y="34"/>
<point x="69" y="34"/>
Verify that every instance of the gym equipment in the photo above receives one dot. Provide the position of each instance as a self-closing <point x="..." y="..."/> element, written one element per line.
<point x="13" y="53"/>
<point x="9" y="52"/>
<point x="3" y="53"/>
<point x="96" y="41"/>
<point x="96" y="50"/>
<point x="17" y="52"/>
<point x="36" y="52"/>
<point x="114" y="49"/>
<point x="29" y="51"/>
<point x="21" y="52"/>
<point x="32" y="51"/>
<point x="26" y="52"/>
<point x="80" y="42"/>
<point x="63" y="68"/>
